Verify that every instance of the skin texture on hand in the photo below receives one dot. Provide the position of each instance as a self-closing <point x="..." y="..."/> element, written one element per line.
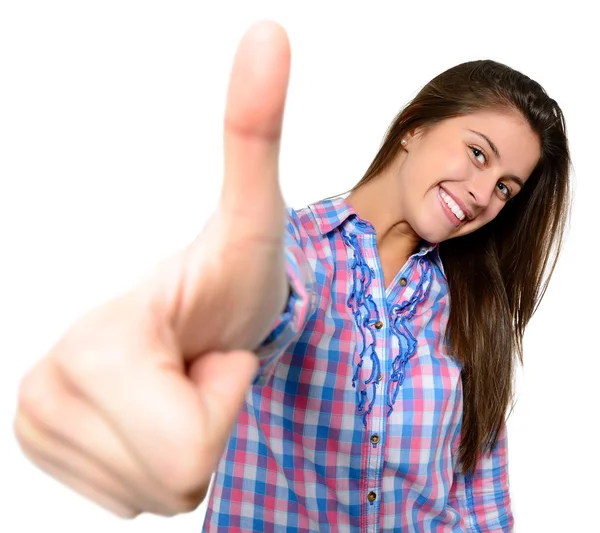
<point x="133" y="406"/>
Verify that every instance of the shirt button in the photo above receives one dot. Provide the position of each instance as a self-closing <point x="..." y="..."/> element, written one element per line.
<point x="379" y="324"/>
<point x="374" y="439"/>
<point x="371" y="496"/>
<point x="403" y="282"/>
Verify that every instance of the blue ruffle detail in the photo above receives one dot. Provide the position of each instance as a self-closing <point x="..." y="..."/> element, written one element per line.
<point x="401" y="313"/>
<point x="362" y="304"/>
<point x="363" y="307"/>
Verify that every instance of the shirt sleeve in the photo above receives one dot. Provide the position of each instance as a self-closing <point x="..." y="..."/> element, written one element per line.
<point x="301" y="301"/>
<point x="483" y="498"/>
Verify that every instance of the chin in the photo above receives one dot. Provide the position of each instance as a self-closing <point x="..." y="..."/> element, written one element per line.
<point x="433" y="235"/>
<point x="436" y="233"/>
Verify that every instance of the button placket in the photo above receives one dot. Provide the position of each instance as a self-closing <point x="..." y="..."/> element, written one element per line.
<point x="374" y="447"/>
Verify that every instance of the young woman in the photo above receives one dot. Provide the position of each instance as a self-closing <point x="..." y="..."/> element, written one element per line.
<point x="380" y="393"/>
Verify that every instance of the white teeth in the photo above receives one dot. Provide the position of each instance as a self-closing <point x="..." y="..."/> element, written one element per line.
<point x="452" y="205"/>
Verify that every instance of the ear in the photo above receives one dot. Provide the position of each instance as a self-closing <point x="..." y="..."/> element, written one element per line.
<point x="406" y="141"/>
<point x="411" y="136"/>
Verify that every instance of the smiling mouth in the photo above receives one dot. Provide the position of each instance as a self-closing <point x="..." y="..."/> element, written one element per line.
<point x="452" y="206"/>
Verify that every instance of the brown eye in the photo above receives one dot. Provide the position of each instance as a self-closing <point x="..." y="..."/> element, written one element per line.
<point x="504" y="189"/>
<point x="479" y="155"/>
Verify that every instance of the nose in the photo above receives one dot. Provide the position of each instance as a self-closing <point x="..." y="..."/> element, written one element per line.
<point x="481" y="189"/>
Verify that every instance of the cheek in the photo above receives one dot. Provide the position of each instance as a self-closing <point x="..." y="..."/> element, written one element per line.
<point x="484" y="218"/>
<point x="455" y="169"/>
<point x="493" y="210"/>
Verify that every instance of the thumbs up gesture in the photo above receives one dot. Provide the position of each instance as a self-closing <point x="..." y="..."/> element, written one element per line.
<point x="133" y="406"/>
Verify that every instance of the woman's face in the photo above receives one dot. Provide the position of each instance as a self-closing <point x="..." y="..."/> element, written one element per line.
<point x="456" y="176"/>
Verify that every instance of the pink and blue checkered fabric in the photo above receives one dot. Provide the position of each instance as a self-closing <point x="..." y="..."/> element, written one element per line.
<point x="353" y="423"/>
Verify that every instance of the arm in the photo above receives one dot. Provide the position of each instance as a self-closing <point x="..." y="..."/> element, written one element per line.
<point x="483" y="498"/>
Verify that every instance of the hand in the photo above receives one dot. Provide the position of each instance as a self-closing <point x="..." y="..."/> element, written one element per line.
<point x="133" y="406"/>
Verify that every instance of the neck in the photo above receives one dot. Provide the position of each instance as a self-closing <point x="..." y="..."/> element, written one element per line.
<point x="376" y="202"/>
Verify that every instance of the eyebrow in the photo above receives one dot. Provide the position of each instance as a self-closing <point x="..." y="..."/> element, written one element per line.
<point x="490" y="142"/>
<point x="494" y="148"/>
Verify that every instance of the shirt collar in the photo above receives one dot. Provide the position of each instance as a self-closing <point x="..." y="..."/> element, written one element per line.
<point x="331" y="213"/>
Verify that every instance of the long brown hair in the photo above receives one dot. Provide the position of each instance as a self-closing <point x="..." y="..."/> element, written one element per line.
<point x="498" y="274"/>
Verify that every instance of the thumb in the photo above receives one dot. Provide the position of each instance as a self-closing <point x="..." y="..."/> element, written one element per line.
<point x="253" y="119"/>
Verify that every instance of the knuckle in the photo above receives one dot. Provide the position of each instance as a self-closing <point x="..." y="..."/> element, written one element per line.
<point x="28" y="394"/>
<point x="21" y="433"/>
<point x="79" y="356"/>
<point x="84" y="365"/>
<point x="93" y="347"/>
<point x="36" y="399"/>
<point x="87" y="367"/>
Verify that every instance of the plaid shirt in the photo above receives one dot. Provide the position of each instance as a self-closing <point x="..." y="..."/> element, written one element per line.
<point x="353" y="423"/>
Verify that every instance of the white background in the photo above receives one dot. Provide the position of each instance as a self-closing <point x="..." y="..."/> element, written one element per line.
<point x="110" y="159"/>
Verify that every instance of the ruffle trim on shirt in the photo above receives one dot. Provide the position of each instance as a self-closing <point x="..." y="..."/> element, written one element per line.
<point x="401" y="313"/>
<point x="363" y="306"/>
